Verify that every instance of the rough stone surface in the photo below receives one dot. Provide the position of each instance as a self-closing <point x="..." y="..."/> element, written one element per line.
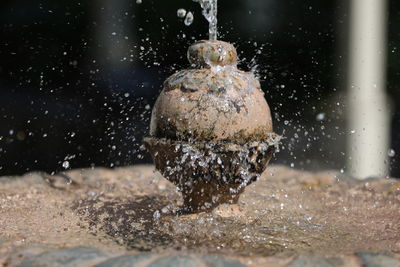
<point x="218" y="103"/>
<point x="312" y="261"/>
<point x="377" y="260"/>
<point x="65" y="258"/>
<point x="190" y="109"/>
<point x="162" y="260"/>
<point x="285" y="215"/>
<point x="126" y="260"/>
<point x="213" y="173"/>
<point x="214" y="104"/>
<point x="207" y="53"/>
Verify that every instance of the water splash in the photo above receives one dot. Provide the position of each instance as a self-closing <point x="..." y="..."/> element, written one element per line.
<point x="210" y="13"/>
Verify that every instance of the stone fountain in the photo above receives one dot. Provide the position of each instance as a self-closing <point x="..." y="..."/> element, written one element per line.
<point x="211" y="136"/>
<point x="211" y="128"/>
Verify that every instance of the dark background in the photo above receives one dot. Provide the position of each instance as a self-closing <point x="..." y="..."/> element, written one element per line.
<point x="78" y="78"/>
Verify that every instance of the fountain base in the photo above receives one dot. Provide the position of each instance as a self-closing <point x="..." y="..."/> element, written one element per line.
<point x="211" y="173"/>
<point x="288" y="217"/>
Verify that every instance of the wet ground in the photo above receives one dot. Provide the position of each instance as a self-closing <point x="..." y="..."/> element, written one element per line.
<point x="287" y="217"/>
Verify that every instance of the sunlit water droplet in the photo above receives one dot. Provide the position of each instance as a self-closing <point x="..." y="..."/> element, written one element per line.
<point x="189" y="19"/>
<point x="181" y="13"/>
<point x="156" y="215"/>
<point x="138" y="1"/>
<point x="391" y="153"/>
<point x="65" y="164"/>
<point x="320" y="117"/>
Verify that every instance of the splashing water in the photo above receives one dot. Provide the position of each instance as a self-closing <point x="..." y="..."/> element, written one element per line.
<point x="210" y="13"/>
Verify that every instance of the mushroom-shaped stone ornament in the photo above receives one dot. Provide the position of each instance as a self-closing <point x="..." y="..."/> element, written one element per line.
<point x="211" y="128"/>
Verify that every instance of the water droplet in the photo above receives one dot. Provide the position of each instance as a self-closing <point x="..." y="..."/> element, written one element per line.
<point x="164" y="210"/>
<point x="65" y="164"/>
<point x="156" y="215"/>
<point x="320" y="117"/>
<point x="391" y="153"/>
<point x="189" y="19"/>
<point x="138" y="1"/>
<point x="181" y="13"/>
<point x="147" y="107"/>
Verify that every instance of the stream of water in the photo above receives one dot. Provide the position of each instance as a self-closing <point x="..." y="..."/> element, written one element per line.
<point x="210" y="13"/>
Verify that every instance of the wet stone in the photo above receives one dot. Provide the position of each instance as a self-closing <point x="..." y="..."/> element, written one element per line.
<point x="72" y="257"/>
<point x="126" y="260"/>
<point x="377" y="260"/>
<point x="220" y="262"/>
<point x="175" y="261"/>
<point x="164" y="260"/>
<point x="106" y="213"/>
<point x="314" y="260"/>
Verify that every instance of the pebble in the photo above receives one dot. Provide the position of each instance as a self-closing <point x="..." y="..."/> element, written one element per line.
<point x="220" y="262"/>
<point x="87" y="256"/>
<point x="125" y="261"/>
<point x="161" y="260"/>
<point x="72" y="257"/>
<point x="314" y="260"/>
<point x="369" y="259"/>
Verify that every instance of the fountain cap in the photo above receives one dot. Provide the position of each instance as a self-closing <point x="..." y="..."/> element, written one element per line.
<point x="208" y="53"/>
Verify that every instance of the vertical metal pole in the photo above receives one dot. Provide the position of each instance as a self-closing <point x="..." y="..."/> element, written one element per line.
<point x="368" y="114"/>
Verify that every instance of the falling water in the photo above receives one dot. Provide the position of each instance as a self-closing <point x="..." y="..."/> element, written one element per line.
<point x="210" y="13"/>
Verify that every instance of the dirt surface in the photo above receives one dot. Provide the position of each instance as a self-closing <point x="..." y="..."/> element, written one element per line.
<point x="284" y="215"/>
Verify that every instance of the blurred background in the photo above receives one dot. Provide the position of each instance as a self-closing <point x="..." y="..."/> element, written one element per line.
<point x="78" y="79"/>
